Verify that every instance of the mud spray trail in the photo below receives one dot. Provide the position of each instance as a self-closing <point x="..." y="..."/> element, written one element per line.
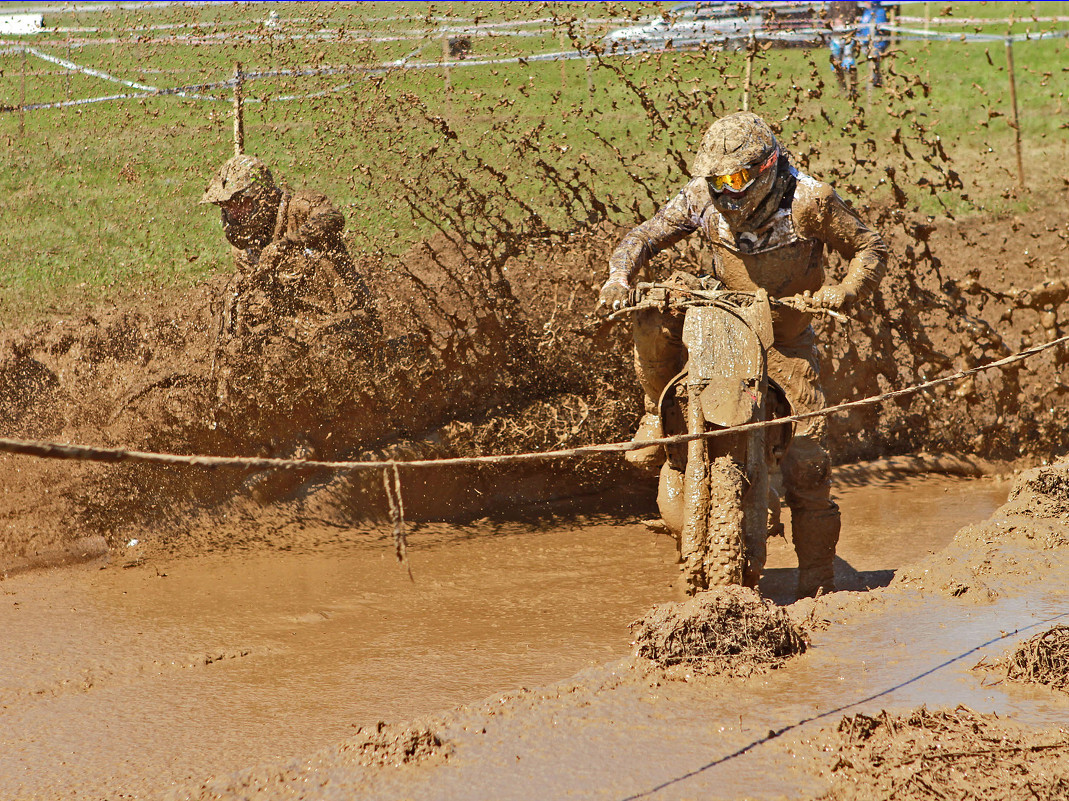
<point x="211" y="664"/>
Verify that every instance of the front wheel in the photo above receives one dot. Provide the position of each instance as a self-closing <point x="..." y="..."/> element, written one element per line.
<point x="711" y="543"/>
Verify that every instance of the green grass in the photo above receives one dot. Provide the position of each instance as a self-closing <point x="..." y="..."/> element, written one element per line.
<point x="100" y="201"/>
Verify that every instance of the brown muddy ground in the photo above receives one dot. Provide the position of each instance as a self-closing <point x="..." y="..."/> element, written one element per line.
<point x="895" y="695"/>
<point x="893" y="698"/>
<point x="214" y="663"/>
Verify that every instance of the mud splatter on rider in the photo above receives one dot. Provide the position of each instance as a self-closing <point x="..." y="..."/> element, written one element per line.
<point x="768" y="224"/>
<point x="289" y="255"/>
<point x="294" y="287"/>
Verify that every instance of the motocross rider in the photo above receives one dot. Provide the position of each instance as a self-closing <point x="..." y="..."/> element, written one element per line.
<point x="294" y="283"/>
<point x="768" y="224"/>
<point x="287" y="244"/>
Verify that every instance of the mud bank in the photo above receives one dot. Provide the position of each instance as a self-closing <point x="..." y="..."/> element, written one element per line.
<point x="630" y="730"/>
<point x="493" y="357"/>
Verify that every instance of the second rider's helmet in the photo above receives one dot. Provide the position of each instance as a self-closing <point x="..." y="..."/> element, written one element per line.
<point x="248" y="198"/>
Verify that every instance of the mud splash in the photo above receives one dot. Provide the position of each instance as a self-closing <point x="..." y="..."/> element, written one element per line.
<point x="490" y="358"/>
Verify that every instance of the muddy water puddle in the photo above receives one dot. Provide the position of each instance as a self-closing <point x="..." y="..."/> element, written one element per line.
<point x="131" y="679"/>
<point x="889" y="524"/>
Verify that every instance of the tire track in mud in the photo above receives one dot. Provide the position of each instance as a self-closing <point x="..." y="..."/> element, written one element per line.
<point x="87" y="679"/>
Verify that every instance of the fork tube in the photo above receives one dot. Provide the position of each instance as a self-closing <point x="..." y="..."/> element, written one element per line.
<point x="695" y="491"/>
<point x="755" y="501"/>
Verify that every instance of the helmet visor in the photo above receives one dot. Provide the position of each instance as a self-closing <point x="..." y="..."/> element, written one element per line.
<point x="740" y="180"/>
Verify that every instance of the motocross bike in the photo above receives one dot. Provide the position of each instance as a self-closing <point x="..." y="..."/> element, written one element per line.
<point x="715" y="494"/>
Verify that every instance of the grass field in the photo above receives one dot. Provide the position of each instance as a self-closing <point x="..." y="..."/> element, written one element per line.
<point x="99" y="200"/>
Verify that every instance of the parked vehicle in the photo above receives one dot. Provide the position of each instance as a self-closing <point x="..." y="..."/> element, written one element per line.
<point x="689" y="25"/>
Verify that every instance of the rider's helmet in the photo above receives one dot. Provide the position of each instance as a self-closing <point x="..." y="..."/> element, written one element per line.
<point x="245" y="191"/>
<point x="237" y="175"/>
<point x="740" y="159"/>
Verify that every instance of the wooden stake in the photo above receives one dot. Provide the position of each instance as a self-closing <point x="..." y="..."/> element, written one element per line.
<point x="586" y="61"/>
<point x="239" y="121"/>
<point x="22" y="97"/>
<point x="563" y="72"/>
<point x="445" y="66"/>
<point x="751" y="53"/>
<point x="1016" y="118"/>
<point x="927" y="40"/>
<point x="870" y="56"/>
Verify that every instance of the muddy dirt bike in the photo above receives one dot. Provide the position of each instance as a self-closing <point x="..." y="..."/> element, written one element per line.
<point x="715" y="495"/>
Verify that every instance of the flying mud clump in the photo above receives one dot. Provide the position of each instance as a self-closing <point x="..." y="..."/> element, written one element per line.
<point x="728" y="630"/>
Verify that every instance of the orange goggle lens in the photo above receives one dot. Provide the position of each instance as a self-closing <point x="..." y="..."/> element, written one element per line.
<point x="737" y="181"/>
<point x="741" y="179"/>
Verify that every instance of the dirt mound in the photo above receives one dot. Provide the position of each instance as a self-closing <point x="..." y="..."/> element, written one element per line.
<point x="383" y="745"/>
<point x="1041" y="493"/>
<point x="386" y="744"/>
<point x="729" y="630"/>
<point x="1005" y="553"/>
<point x="988" y="560"/>
<point x="1043" y="659"/>
<point x="946" y="754"/>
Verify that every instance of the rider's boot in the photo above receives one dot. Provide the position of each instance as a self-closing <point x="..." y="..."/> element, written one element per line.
<point x="651" y="457"/>
<point x="815" y="533"/>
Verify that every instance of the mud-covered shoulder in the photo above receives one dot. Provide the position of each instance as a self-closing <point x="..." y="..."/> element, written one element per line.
<point x="810" y="203"/>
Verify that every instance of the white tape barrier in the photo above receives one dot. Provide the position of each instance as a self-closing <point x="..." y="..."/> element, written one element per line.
<point x="622" y="49"/>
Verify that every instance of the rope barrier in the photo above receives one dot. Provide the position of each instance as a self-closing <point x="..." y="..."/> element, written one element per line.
<point x="55" y="450"/>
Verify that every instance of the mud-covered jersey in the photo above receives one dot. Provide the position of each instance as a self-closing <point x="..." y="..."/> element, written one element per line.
<point x="304" y="218"/>
<point x="784" y="256"/>
<point x="305" y="269"/>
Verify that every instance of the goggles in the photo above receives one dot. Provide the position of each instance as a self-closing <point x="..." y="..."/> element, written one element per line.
<point x="740" y="180"/>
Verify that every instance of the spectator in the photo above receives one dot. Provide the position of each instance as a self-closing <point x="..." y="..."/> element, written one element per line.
<point x="842" y="18"/>
<point x="872" y="36"/>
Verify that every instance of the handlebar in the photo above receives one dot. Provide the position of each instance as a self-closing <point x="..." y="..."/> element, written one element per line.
<point x="805" y="304"/>
<point x="672" y="296"/>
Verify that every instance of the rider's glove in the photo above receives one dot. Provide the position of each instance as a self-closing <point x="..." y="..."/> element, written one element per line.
<point x="835" y="297"/>
<point x="613" y="297"/>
